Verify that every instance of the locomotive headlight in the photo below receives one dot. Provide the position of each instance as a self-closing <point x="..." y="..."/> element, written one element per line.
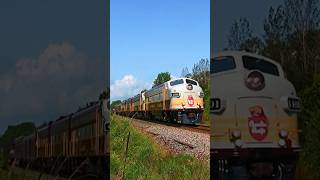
<point x="238" y="143"/>
<point x="283" y="134"/>
<point x="175" y="95"/>
<point x="291" y="103"/>
<point x="217" y="105"/>
<point x="201" y="94"/>
<point x="236" y="134"/>
<point x="282" y="142"/>
<point x="294" y="103"/>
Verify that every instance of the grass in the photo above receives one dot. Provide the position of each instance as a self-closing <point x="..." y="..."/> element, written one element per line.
<point x="3" y="172"/>
<point x="146" y="159"/>
<point x="303" y="171"/>
<point x="21" y="174"/>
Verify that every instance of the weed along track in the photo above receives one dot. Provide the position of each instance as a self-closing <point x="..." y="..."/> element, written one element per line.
<point x="178" y="139"/>
<point x="148" y="150"/>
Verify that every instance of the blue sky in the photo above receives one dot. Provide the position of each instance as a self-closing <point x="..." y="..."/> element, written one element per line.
<point x="148" y="37"/>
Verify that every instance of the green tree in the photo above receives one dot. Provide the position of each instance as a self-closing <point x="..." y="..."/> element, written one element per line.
<point x="254" y="45"/>
<point x="114" y="103"/>
<point x="291" y="37"/>
<point x="311" y="126"/>
<point x="201" y="73"/>
<point x="241" y="37"/>
<point x="239" y="33"/>
<point x="13" y="132"/>
<point x="161" y="78"/>
<point x="185" y="73"/>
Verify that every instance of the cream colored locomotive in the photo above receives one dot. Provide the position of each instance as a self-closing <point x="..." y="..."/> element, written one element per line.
<point x="178" y="100"/>
<point x="254" y="130"/>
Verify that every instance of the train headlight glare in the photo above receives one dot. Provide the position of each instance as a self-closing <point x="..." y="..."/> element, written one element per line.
<point x="291" y="104"/>
<point x="175" y="94"/>
<point x="236" y="133"/>
<point x="283" y="134"/>
<point x="294" y="103"/>
<point x="282" y="142"/>
<point x="238" y="143"/>
<point x="215" y="104"/>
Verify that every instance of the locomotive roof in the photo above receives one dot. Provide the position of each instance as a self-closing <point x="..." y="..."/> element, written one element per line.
<point x="81" y="110"/>
<point x="181" y="78"/>
<point x="154" y="87"/>
<point x="89" y="106"/>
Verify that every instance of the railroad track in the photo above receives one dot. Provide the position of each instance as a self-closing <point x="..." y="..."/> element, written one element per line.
<point x="200" y="128"/>
<point x="195" y="128"/>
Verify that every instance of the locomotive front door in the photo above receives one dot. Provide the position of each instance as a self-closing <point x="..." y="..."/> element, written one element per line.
<point x="257" y="119"/>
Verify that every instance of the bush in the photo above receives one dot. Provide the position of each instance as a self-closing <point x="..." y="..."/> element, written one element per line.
<point x="310" y="121"/>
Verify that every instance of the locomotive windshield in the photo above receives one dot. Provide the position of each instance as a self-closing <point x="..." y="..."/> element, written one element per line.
<point x="176" y="82"/>
<point x="221" y="64"/>
<point x="189" y="81"/>
<point x="252" y="63"/>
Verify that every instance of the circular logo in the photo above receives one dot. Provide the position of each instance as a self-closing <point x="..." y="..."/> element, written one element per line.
<point x="189" y="86"/>
<point x="190" y="101"/>
<point x="258" y="123"/>
<point x="255" y="81"/>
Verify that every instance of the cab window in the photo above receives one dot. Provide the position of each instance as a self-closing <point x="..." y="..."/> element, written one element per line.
<point x="176" y="82"/>
<point x="252" y="63"/>
<point x="189" y="81"/>
<point x="221" y="64"/>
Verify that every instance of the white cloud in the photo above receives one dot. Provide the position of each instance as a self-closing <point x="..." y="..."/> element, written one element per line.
<point x="127" y="87"/>
<point x="56" y="82"/>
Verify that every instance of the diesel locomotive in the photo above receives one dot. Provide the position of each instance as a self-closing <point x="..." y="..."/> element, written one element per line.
<point x="179" y="100"/>
<point x="254" y="127"/>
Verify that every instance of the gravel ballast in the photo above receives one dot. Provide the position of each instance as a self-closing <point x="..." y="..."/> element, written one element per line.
<point x="177" y="140"/>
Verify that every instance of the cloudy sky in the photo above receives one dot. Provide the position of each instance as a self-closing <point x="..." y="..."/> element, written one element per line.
<point x="52" y="58"/>
<point x="149" y="37"/>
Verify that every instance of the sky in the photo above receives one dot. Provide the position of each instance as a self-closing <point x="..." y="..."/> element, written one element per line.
<point x="149" y="37"/>
<point x="225" y="12"/>
<point x="53" y="58"/>
<point x="53" y="53"/>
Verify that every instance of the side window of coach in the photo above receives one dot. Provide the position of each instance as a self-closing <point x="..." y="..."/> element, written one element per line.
<point x="221" y="64"/>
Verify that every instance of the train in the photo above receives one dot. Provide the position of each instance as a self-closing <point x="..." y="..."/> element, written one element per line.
<point x="75" y="144"/>
<point x="253" y="111"/>
<point x="179" y="100"/>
